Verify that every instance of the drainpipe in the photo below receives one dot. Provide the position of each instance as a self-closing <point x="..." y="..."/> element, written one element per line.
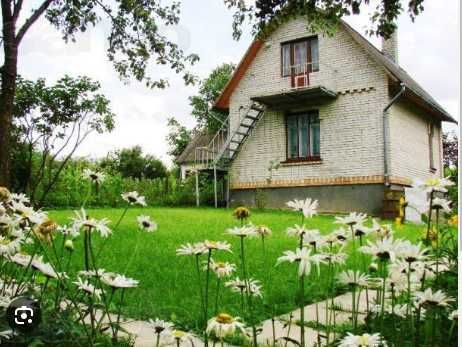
<point x="385" y="113"/>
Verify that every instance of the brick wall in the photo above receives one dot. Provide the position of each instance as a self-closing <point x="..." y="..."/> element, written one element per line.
<point x="409" y="142"/>
<point x="351" y="125"/>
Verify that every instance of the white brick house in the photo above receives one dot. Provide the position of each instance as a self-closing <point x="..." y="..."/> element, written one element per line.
<point x="330" y="117"/>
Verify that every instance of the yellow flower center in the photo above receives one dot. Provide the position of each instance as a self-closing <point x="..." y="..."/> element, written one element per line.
<point x="363" y="341"/>
<point x="178" y="334"/>
<point x="224" y="318"/>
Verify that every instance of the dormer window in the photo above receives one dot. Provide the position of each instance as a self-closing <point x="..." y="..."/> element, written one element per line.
<point x="300" y="56"/>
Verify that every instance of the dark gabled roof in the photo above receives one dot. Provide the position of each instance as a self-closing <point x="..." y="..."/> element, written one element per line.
<point x="413" y="90"/>
<point x="399" y="74"/>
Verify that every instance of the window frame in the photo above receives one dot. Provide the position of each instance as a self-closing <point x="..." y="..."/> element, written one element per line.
<point x="308" y="42"/>
<point x="309" y="158"/>
<point x="431" y="149"/>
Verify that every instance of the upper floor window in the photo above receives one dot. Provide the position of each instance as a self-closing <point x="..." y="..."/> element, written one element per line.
<point x="299" y="57"/>
<point x="303" y="136"/>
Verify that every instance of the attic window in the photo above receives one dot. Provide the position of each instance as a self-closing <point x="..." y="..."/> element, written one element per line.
<point x="300" y="56"/>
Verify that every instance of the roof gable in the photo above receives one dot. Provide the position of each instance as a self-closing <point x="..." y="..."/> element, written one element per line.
<point x="414" y="91"/>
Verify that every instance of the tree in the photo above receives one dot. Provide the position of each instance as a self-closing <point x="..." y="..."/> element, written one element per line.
<point x="450" y="147"/>
<point x="178" y="137"/>
<point x="51" y="122"/>
<point x="131" y="162"/>
<point x="210" y="89"/>
<point x="134" y="39"/>
<point x="323" y="15"/>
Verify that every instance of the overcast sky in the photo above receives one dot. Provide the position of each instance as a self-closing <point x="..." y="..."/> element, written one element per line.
<point x="428" y="50"/>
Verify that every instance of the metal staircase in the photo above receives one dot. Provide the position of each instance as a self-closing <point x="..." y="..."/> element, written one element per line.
<point x="225" y="145"/>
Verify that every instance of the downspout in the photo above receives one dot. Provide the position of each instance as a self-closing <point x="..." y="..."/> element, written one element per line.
<point x="385" y="118"/>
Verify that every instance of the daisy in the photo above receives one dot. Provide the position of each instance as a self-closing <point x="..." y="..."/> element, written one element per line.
<point x="221" y="269"/>
<point x="335" y="258"/>
<point x="181" y="336"/>
<point x="241" y="213"/>
<point x="454" y="315"/>
<point x="133" y="198"/>
<point x="6" y="334"/>
<point x="88" y="288"/>
<point x="352" y="219"/>
<point x="250" y="286"/>
<point x="312" y="237"/>
<point x="353" y="278"/>
<point x="21" y="259"/>
<point x="244" y="231"/>
<point x="428" y="298"/>
<point x="341" y="234"/>
<point x="20" y="198"/>
<point x="308" y="207"/>
<point x="361" y="230"/>
<point x="441" y="204"/>
<point x="9" y="247"/>
<point x="434" y="184"/>
<point x="263" y="230"/>
<point x="224" y="325"/>
<point x="412" y="253"/>
<point x="364" y="340"/>
<point x="92" y="273"/>
<point x="160" y="326"/>
<point x="45" y="230"/>
<point x="385" y="249"/>
<point x="382" y="231"/>
<point x="28" y="213"/>
<point x="145" y="223"/>
<point x="69" y="231"/>
<point x="118" y="281"/>
<point x="304" y="257"/>
<point x="217" y="245"/>
<point x="81" y="220"/>
<point x="297" y="231"/>
<point x="47" y="269"/>
<point x="4" y="194"/>
<point x="94" y="176"/>
<point x="197" y="248"/>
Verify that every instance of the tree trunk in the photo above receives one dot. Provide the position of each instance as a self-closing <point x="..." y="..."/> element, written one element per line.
<point x="7" y="91"/>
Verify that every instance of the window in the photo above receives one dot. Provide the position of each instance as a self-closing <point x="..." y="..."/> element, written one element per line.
<point x="300" y="56"/>
<point x="303" y="137"/>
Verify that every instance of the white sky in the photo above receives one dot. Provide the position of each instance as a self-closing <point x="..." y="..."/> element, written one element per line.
<point x="428" y="50"/>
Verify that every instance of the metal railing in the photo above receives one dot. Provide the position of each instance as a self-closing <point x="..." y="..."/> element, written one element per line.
<point x="205" y="156"/>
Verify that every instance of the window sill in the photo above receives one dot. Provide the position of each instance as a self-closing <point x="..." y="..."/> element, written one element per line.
<point x="433" y="170"/>
<point x="314" y="161"/>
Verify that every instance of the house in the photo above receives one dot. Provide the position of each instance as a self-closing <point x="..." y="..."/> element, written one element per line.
<point x="342" y="121"/>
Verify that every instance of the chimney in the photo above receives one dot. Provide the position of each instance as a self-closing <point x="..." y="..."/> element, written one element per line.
<point x="390" y="46"/>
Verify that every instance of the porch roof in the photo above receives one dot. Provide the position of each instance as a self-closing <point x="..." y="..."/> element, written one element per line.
<point x="300" y="97"/>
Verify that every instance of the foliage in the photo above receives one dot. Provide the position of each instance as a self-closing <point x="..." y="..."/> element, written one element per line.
<point x="131" y="162"/>
<point x="209" y="91"/>
<point x="450" y="150"/>
<point x="453" y="191"/>
<point x="178" y="137"/>
<point x="51" y="122"/>
<point x="267" y="15"/>
<point x="135" y="38"/>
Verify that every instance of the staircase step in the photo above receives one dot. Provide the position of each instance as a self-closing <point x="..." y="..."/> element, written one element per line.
<point x="251" y="117"/>
<point x="246" y="125"/>
<point x="242" y="134"/>
<point x="235" y="141"/>
<point x="256" y="108"/>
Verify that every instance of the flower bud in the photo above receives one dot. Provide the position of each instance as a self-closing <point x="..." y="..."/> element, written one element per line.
<point x="69" y="245"/>
<point x="373" y="267"/>
<point x="4" y="194"/>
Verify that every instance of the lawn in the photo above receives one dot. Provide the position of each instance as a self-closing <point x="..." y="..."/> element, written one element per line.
<point x="168" y="285"/>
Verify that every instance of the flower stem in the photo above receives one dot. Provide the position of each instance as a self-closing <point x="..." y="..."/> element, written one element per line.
<point x="302" y="310"/>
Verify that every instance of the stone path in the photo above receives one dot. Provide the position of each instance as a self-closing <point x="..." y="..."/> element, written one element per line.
<point x="144" y="336"/>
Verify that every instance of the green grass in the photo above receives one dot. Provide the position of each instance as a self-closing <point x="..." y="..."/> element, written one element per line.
<point x="168" y="285"/>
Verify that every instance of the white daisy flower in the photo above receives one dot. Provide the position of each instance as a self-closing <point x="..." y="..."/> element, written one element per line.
<point x="244" y="231"/>
<point x="221" y="269"/>
<point x="9" y="247"/>
<point x="308" y="207"/>
<point x="335" y="258"/>
<point x="251" y="286"/>
<point x="47" y="269"/>
<point x="454" y="315"/>
<point x="412" y="253"/>
<point x="20" y="198"/>
<point x="217" y="245"/>
<point x="386" y="249"/>
<point x="94" y="176"/>
<point x="341" y="234"/>
<point x="115" y="280"/>
<point x="353" y="278"/>
<point x="352" y="219"/>
<point x="6" y="334"/>
<point x="145" y="223"/>
<point x="313" y="238"/>
<point x="133" y="198"/>
<point x="28" y="213"/>
<point x="160" y="326"/>
<point x="305" y="259"/>
<point x="441" y="204"/>
<point x="224" y="325"/>
<point x="81" y="220"/>
<point x="21" y="259"/>
<point x="364" y="340"/>
<point x="197" y="248"/>
<point x="92" y="273"/>
<point x="88" y="288"/>
<point x="428" y="298"/>
<point x="263" y="230"/>
<point x="434" y="184"/>
<point x="297" y="231"/>
<point x="361" y="230"/>
<point x="69" y="231"/>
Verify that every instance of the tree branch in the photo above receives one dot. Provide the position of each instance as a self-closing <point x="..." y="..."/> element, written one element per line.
<point x="32" y="19"/>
